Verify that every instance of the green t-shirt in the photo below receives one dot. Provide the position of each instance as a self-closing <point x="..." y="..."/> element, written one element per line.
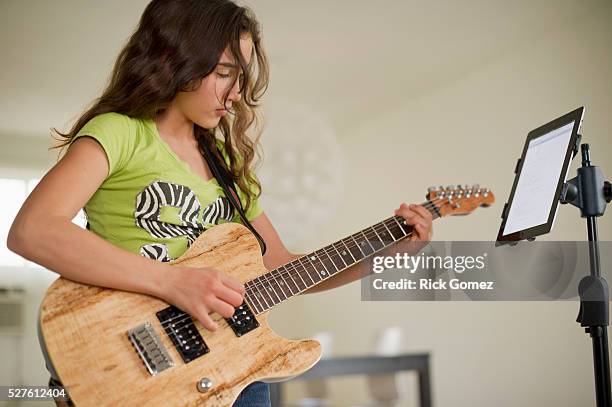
<point x="151" y="202"/>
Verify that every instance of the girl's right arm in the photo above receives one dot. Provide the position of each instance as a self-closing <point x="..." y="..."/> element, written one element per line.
<point x="43" y="232"/>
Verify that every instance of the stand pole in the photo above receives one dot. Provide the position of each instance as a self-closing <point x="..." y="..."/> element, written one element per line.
<point x="590" y="193"/>
<point x="599" y="330"/>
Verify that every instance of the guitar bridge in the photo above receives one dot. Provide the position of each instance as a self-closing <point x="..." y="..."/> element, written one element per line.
<point x="150" y="349"/>
<point x="243" y="320"/>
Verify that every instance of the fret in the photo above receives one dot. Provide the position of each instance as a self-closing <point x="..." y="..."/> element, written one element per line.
<point x="259" y="294"/>
<point x="394" y="229"/>
<point x="358" y="247"/>
<point x="347" y="256"/>
<point x="284" y="278"/>
<point x="265" y="291"/>
<point x="279" y="283"/>
<point x="333" y="245"/>
<point x="250" y="287"/>
<point x="400" y="225"/>
<point x="299" y="280"/>
<point x="405" y="227"/>
<point x="259" y="297"/>
<point x="432" y="208"/>
<point x="376" y="241"/>
<point x="353" y="248"/>
<point x="251" y="300"/>
<point x="288" y="277"/>
<point x="334" y="256"/>
<point x="365" y="245"/>
<point x="329" y="265"/>
<point x="316" y="265"/>
<point x="299" y="267"/>
<point x="312" y="271"/>
<point x="322" y="267"/>
<point x="268" y="284"/>
<point x="385" y="234"/>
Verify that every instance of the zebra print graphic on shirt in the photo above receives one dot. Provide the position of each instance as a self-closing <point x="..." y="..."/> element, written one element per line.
<point x="155" y="251"/>
<point x="161" y="193"/>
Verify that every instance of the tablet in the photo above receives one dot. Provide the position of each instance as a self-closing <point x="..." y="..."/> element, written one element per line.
<point x="540" y="174"/>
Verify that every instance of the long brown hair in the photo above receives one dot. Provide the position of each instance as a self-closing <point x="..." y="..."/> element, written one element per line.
<point x="176" y="44"/>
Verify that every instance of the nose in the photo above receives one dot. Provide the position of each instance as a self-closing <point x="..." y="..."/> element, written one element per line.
<point x="234" y="94"/>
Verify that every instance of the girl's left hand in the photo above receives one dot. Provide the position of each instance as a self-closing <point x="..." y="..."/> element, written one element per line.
<point x="419" y="218"/>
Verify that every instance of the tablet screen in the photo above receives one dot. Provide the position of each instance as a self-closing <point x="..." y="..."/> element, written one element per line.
<point x="541" y="169"/>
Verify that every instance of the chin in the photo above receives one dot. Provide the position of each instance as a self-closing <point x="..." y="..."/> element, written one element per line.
<point x="209" y="123"/>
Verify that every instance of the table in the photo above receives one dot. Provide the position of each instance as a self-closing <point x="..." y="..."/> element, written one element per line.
<point x="365" y="365"/>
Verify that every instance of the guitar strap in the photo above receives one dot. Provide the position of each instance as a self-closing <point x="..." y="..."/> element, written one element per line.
<point x="222" y="175"/>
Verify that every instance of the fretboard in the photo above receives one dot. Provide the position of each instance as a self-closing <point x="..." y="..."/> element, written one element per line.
<point x="278" y="285"/>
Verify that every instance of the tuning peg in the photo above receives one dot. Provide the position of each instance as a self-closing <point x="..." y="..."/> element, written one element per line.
<point x="449" y="187"/>
<point x="475" y="186"/>
<point x="432" y="189"/>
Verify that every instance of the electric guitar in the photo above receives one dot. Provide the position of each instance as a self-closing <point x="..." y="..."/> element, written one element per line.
<point x="116" y="348"/>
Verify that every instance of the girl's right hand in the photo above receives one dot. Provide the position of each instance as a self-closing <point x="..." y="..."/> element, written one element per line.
<point x="200" y="291"/>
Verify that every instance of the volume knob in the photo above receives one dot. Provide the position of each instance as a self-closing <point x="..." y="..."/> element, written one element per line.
<point x="204" y="385"/>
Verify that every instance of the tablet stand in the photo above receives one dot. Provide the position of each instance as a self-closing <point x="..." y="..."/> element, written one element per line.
<point x="590" y="193"/>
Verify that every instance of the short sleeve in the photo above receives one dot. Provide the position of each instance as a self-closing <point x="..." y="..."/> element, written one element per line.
<point x="112" y="132"/>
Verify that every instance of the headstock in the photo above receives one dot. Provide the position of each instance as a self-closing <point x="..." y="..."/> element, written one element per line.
<point x="459" y="199"/>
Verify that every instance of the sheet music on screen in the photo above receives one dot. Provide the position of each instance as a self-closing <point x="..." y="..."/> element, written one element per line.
<point x="538" y="181"/>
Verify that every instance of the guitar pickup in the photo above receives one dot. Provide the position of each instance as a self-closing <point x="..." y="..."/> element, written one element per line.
<point x="243" y="320"/>
<point x="183" y="333"/>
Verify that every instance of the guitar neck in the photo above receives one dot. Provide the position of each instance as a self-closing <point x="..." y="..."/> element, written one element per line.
<point x="297" y="276"/>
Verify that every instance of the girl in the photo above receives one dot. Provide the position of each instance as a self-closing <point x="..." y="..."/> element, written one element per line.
<point x="187" y="82"/>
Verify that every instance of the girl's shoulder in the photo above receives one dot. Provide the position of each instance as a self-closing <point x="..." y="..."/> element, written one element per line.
<point x="115" y="132"/>
<point x="112" y="120"/>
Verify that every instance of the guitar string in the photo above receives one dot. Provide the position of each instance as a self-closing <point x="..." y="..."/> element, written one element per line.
<point x="291" y="267"/>
<point x="288" y="271"/>
<point x="182" y="317"/>
<point x="428" y="205"/>
<point x="379" y="229"/>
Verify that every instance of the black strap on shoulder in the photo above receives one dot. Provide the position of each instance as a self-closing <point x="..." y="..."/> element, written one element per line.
<point x="226" y="182"/>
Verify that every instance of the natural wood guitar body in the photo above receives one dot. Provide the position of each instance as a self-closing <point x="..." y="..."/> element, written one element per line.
<point x="85" y="330"/>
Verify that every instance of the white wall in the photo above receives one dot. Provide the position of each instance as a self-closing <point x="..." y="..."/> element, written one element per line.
<point x="472" y="131"/>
